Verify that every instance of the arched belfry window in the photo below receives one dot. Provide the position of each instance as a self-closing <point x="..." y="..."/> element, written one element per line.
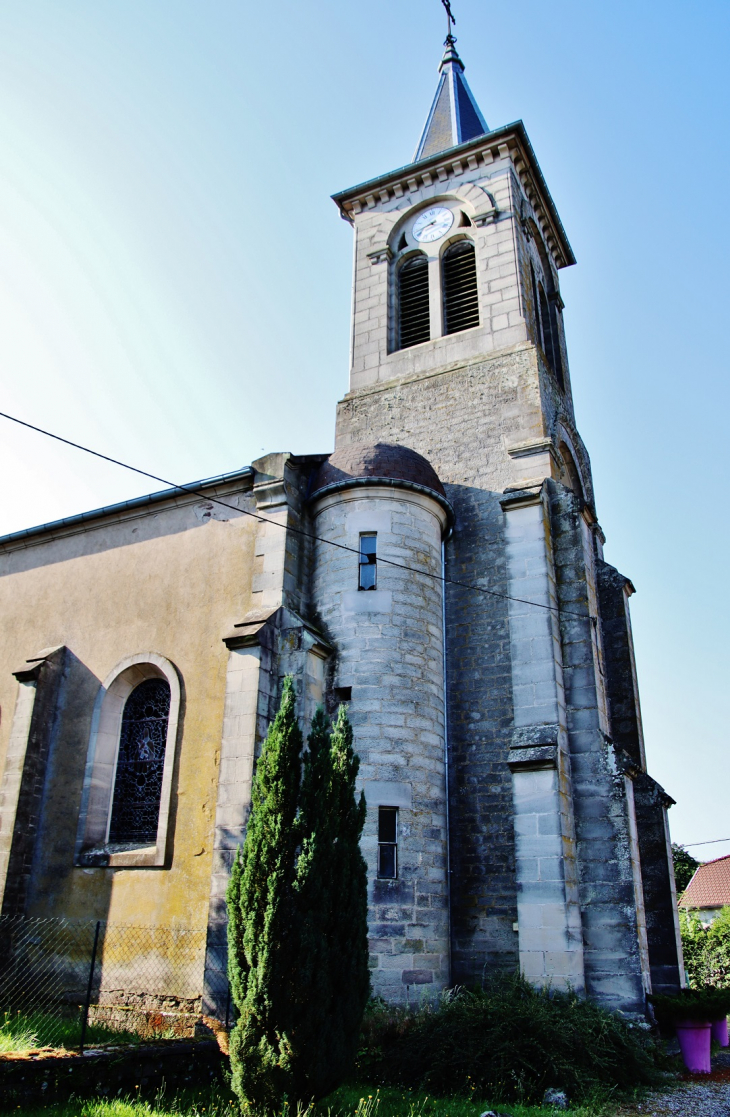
<point x="140" y="763"/>
<point x="459" y="281"/>
<point x="414" y="320"/>
<point x="550" y="338"/>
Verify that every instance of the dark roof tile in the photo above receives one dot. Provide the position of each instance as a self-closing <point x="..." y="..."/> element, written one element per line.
<point x="377" y="460"/>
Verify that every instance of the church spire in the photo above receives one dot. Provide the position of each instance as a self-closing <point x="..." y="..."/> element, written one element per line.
<point x="454" y="117"/>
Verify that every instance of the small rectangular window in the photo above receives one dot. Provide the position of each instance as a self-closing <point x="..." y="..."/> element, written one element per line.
<point x="368" y="561"/>
<point x="387" y="843"/>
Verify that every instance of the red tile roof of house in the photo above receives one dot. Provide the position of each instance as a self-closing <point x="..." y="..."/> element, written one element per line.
<point x="710" y="886"/>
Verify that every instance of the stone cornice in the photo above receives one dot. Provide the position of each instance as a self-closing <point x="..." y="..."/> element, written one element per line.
<point x="510" y="142"/>
<point x="31" y="669"/>
<point x="387" y="483"/>
<point x="250" y="632"/>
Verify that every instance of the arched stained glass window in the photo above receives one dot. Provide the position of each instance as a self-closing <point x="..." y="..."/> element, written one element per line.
<point x="414" y="322"/>
<point x="459" y="278"/>
<point x="140" y="763"/>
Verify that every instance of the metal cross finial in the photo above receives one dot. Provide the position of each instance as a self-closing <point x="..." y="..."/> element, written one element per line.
<point x="449" y="16"/>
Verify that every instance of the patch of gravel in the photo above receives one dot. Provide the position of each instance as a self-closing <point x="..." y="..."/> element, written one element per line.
<point x="710" y="1098"/>
<point x="690" y="1099"/>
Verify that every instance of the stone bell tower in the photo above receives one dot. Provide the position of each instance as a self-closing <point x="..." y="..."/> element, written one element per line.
<point x="556" y="853"/>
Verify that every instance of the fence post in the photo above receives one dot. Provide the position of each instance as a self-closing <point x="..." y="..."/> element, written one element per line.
<point x="85" y="1018"/>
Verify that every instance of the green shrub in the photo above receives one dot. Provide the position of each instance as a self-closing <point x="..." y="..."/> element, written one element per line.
<point x="708" y="1003"/>
<point x="508" y="1042"/>
<point x="706" y="949"/>
<point x="685" y="866"/>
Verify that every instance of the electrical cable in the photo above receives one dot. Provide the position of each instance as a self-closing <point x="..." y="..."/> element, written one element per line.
<point x="288" y="527"/>
<point x="713" y="842"/>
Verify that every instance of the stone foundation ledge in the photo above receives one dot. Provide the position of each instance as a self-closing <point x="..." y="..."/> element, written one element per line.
<point x="54" y="1075"/>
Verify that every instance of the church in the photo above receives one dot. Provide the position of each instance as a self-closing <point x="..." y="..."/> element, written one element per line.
<point x="442" y="572"/>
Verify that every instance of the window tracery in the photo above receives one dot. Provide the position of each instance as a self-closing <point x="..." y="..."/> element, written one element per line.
<point x="140" y="763"/>
<point x="125" y="818"/>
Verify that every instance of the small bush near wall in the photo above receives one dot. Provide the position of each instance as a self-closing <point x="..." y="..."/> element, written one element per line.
<point x="508" y="1042"/>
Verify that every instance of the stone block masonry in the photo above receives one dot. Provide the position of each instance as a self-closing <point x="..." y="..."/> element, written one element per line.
<point x="510" y="670"/>
<point x="612" y="909"/>
<point x="461" y="419"/>
<point x="549" y="923"/>
<point x="389" y="645"/>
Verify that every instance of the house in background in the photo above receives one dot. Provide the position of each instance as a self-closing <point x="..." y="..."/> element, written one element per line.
<point x="709" y="890"/>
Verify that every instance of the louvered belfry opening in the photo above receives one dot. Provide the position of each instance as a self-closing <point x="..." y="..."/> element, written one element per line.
<point x="414" y="322"/>
<point x="459" y="276"/>
<point x="550" y="337"/>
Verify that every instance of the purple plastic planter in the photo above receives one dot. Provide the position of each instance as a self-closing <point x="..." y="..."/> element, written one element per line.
<point x="719" y="1031"/>
<point x="694" y="1043"/>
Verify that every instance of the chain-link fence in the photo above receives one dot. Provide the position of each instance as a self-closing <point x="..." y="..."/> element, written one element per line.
<point x="70" y="984"/>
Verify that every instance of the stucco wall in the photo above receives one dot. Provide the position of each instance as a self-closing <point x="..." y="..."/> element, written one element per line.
<point x="169" y="579"/>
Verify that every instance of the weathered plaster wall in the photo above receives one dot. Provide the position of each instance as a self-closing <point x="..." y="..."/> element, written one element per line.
<point x="170" y="579"/>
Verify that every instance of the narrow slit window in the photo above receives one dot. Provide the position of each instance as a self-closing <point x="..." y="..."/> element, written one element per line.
<point x="536" y="307"/>
<point x="414" y="321"/>
<point x="368" y="576"/>
<point x="387" y="843"/>
<point x="140" y="763"/>
<point x="459" y="277"/>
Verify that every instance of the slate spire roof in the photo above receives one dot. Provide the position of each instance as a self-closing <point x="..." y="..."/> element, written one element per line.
<point x="454" y="117"/>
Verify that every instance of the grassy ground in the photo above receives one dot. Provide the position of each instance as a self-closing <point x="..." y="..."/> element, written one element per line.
<point x="348" y="1101"/>
<point x="44" y="1029"/>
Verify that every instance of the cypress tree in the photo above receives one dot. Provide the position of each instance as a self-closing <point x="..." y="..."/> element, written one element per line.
<point x="348" y="935"/>
<point x="333" y="983"/>
<point x="298" y="956"/>
<point x="262" y="923"/>
<point x="314" y="879"/>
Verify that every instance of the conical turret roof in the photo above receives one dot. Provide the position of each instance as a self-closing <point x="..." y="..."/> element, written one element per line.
<point x="454" y="117"/>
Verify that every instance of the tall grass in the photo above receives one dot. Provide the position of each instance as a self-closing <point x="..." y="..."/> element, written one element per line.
<point x="349" y="1101"/>
<point x="509" y="1042"/>
<point x="27" y="1031"/>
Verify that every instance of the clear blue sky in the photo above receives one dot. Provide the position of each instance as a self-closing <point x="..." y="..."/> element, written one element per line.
<point x="175" y="282"/>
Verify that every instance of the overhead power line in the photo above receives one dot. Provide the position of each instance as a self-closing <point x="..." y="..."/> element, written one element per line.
<point x="288" y="527"/>
<point x="713" y="842"/>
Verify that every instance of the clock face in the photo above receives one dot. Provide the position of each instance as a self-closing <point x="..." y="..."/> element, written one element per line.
<point x="433" y="224"/>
